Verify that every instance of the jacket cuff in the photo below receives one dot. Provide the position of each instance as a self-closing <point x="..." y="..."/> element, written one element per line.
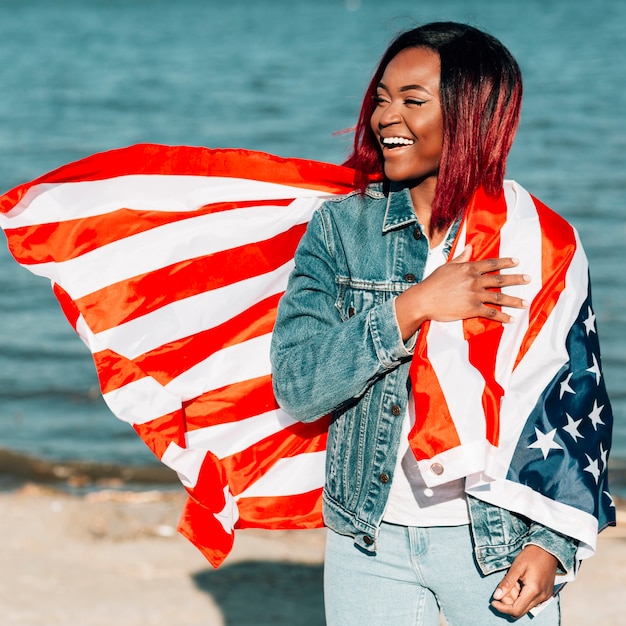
<point x="386" y="335"/>
<point x="561" y="547"/>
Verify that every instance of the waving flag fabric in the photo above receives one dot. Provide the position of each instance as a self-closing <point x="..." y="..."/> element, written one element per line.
<point x="169" y="263"/>
<point x="521" y="409"/>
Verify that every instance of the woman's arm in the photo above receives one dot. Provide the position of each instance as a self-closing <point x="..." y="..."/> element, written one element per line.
<point x="320" y="361"/>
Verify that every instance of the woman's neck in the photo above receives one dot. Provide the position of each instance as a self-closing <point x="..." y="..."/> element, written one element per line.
<point x="422" y="197"/>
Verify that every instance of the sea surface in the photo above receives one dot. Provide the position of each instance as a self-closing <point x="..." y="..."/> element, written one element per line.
<point x="281" y="76"/>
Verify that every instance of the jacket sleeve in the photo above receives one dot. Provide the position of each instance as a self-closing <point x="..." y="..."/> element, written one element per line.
<point x="319" y="360"/>
<point x="559" y="546"/>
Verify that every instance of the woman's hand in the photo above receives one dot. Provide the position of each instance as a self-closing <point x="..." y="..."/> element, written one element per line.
<point x="529" y="582"/>
<point x="458" y="290"/>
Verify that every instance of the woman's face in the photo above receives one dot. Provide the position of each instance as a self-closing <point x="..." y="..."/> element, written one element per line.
<point x="407" y="120"/>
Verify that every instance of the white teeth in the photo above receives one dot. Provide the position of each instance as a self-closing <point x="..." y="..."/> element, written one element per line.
<point x="396" y="141"/>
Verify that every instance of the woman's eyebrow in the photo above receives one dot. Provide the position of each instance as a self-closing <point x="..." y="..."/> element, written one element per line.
<point x="407" y="88"/>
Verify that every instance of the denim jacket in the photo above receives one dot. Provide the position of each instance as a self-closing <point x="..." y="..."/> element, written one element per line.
<point x="337" y="349"/>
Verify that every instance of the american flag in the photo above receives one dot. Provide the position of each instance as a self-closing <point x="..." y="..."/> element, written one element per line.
<point x="521" y="409"/>
<point x="169" y="263"/>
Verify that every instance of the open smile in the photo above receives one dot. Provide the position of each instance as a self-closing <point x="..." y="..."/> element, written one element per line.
<point x="395" y="142"/>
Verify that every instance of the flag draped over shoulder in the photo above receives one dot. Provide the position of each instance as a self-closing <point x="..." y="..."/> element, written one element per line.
<point x="169" y="263"/>
<point x="521" y="409"/>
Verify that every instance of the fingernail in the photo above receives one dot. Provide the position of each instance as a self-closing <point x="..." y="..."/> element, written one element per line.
<point x="498" y="593"/>
<point x="524" y="302"/>
<point x="526" y="278"/>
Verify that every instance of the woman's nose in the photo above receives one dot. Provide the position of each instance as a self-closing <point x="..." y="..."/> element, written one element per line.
<point x="389" y="115"/>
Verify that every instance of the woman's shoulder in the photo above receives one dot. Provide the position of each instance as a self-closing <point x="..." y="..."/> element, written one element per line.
<point x="355" y="201"/>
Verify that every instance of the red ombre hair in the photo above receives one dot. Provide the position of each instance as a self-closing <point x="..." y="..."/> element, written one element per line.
<point x="481" y="94"/>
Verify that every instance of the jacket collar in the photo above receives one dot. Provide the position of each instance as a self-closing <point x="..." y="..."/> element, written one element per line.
<point x="399" y="213"/>
<point x="399" y="210"/>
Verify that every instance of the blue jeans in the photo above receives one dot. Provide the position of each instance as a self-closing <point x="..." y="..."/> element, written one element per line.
<point x="415" y="573"/>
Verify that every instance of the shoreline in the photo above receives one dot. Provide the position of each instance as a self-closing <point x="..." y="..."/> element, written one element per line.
<point x="114" y="556"/>
<point x="75" y="476"/>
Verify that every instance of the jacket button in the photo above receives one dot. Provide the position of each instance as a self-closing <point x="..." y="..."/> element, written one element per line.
<point x="396" y="410"/>
<point x="417" y="233"/>
<point x="384" y="478"/>
<point x="436" y="469"/>
<point x="367" y="540"/>
<point x="410" y="278"/>
<point x="351" y="311"/>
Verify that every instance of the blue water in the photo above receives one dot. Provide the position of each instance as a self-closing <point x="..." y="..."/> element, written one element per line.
<point x="281" y="76"/>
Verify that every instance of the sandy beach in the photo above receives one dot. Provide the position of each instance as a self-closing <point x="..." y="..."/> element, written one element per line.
<point x="112" y="557"/>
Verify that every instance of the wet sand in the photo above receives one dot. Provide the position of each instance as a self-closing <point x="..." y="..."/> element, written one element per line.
<point x="112" y="557"/>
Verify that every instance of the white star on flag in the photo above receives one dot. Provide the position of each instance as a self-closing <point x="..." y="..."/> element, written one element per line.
<point x="594" y="416"/>
<point x="590" y="322"/>
<point x="592" y="468"/>
<point x="610" y="497"/>
<point x="565" y="388"/>
<point x="595" y="369"/>
<point x="604" y="456"/>
<point x="571" y="428"/>
<point x="545" y="442"/>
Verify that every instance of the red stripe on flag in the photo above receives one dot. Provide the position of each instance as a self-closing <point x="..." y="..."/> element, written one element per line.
<point x="158" y="433"/>
<point x="430" y="407"/>
<point x="558" y="246"/>
<point x="115" y="371"/>
<point x="63" y="241"/>
<point x="200" y="526"/>
<point x="68" y="306"/>
<point x="231" y="404"/>
<point x="194" y="161"/>
<point x="143" y="294"/>
<point x="485" y="219"/>
<point x="303" y="510"/>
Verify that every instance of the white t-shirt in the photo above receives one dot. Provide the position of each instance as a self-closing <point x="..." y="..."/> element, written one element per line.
<point x="411" y="502"/>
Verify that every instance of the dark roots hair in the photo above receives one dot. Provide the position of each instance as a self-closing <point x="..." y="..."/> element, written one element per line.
<point x="481" y="94"/>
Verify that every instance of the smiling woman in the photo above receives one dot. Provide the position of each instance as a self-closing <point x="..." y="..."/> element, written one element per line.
<point x="451" y="483"/>
<point x="409" y="126"/>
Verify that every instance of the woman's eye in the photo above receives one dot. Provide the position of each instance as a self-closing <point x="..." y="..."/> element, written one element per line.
<point x="378" y="100"/>
<point x="415" y="102"/>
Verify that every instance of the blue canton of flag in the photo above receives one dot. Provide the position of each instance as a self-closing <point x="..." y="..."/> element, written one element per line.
<point x="564" y="447"/>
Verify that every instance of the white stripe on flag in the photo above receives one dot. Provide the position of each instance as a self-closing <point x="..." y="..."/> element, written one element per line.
<point x="290" y="476"/>
<point x="235" y="364"/>
<point x="226" y="439"/>
<point x="185" y="462"/>
<point x="141" y="401"/>
<point x="461" y="383"/>
<point x="520" y="237"/>
<point x="57" y="202"/>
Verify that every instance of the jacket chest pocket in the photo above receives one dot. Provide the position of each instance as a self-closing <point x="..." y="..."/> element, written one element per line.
<point x="356" y="297"/>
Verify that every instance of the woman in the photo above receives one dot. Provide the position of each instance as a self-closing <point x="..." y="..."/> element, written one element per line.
<point x="435" y="128"/>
